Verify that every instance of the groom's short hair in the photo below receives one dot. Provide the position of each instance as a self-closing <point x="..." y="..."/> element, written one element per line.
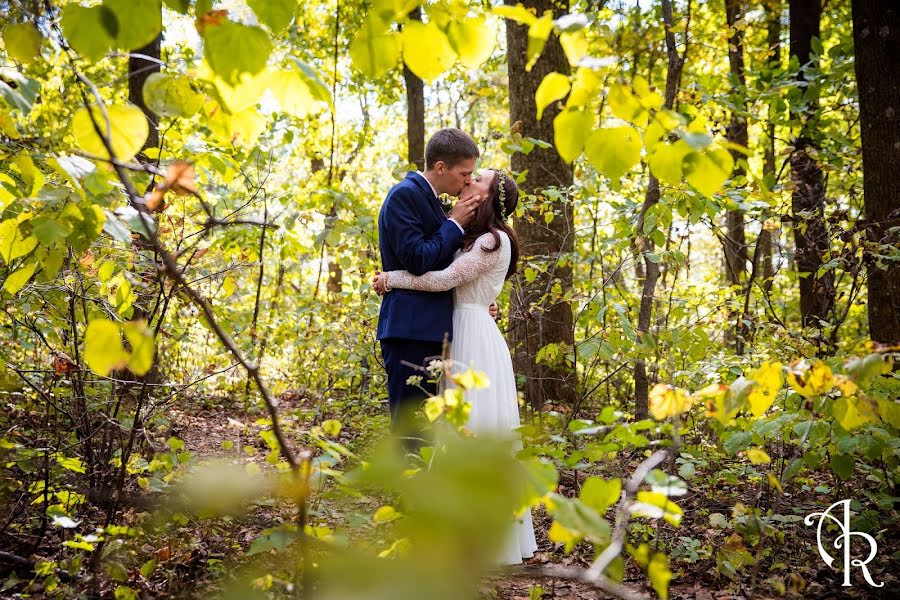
<point x="450" y="145"/>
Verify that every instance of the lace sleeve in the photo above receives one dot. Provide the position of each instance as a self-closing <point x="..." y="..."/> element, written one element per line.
<point x="469" y="266"/>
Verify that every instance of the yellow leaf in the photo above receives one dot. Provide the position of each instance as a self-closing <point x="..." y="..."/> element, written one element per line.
<point x="385" y="514"/>
<point x="375" y="49"/>
<point x="517" y="13"/>
<point x="240" y="129"/>
<point x="708" y="170"/>
<point x="666" y="161"/>
<point x="626" y="106"/>
<point x="854" y="412"/>
<point x="768" y="382"/>
<point x="103" y="349"/>
<point x="666" y="401"/>
<point x="293" y="94"/>
<point x="143" y="346"/>
<point x="574" y="44"/>
<point x="846" y="385"/>
<point x="570" y="130"/>
<point x="614" y="151"/>
<point x="426" y="50"/>
<point x="127" y="131"/>
<point x="554" y="87"/>
<point x="434" y="406"/>
<point x="773" y="481"/>
<point x="22" y="41"/>
<point x="473" y="39"/>
<point x="559" y="534"/>
<point x="810" y="378"/>
<point x="471" y="379"/>
<point x="331" y="427"/>
<point x="538" y="32"/>
<point x="584" y="88"/>
<point x="16" y="280"/>
<point x="758" y="456"/>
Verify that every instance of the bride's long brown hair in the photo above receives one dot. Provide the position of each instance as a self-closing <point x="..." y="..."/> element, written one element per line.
<point x="488" y="219"/>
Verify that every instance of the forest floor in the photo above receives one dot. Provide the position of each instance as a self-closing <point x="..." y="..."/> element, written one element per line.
<point x="206" y="431"/>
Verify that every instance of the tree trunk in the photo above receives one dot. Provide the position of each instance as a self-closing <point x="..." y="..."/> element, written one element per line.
<point x="876" y="35"/>
<point x="645" y="244"/>
<point x="139" y="69"/>
<point x="538" y="317"/>
<point x="766" y="233"/>
<point x="736" y="240"/>
<point x="415" y="111"/>
<point x="808" y="199"/>
<point x="736" y="243"/>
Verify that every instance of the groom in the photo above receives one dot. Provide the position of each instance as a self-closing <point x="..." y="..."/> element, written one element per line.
<point x="416" y="235"/>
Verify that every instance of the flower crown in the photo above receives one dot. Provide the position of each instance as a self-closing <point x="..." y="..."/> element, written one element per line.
<point x="502" y="175"/>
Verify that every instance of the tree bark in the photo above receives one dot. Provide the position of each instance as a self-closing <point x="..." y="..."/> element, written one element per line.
<point x="876" y="36"/>
<point x="139" y="69"/>
<point x="538" y="317"/>
<point x="766" y="233"/>
<point x="736" y="242"/>
<point x="645" y="244"/>
<point x="811" y="236"/>
<point x="415" y="111"/>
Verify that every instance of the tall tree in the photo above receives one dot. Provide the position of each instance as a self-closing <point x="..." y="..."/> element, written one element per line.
<point x="766" y="233"/>
<point x="736" y="242"/>
<point x="415" y="111"/>
<point x="141" y="64"/>
<point x="808" y="198"/>
<point x="537" y="318"/>
<point x="876" y="35"/>
<point x="674" y="66"/>
<point x="735" y="239"/>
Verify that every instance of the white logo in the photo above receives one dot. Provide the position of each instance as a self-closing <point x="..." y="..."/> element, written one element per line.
<point x="843" y="542"/>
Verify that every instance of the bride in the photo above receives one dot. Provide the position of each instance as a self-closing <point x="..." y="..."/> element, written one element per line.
<point x="487" y="259"/>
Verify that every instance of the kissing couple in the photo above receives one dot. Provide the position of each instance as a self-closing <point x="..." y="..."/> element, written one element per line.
<point x="441" y="276"/>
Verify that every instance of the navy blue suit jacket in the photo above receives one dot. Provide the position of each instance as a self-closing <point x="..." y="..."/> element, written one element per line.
<point x="415" y="235"/>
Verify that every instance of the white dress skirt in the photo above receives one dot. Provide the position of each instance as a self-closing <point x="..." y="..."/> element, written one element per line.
<point x="477" y="277"/>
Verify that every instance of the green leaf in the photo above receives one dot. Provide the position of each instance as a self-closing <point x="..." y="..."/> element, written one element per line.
<point x="49" y="231"/>
<point x="570" y="129"/>
<point x="275" y="538"/>
<point x="554" y="87"/>
<point x="889" y="411"/>
<point x="139" y="22"/>
<point x="16" y="280"/>
<point x="232" y="49"/>
<point x="473" y="40"/>
<point x="600" y="494"/>
<point x="385" y="514"/>
<point x="128" y="130"/>
<point x="20" y="92"/>
<point x="666" y="161"/>
<point x="22" y="41"/>
<point x="707" y="171"/>
<point x="426" y="50"/>
<point x="84" y="30"/>
<point x="70" y="463"/>
<point x="275" y="14"/>
<point x="614" y="151"/>
<point x="103" y="349"/>
<point x="180" y="6"/>
<point x="171" y="96"/>
<point x="842" y="465"/>
<point x="578" y="517"/>
<point x="375" y="49"/>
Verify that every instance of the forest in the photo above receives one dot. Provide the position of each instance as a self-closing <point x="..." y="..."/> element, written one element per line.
<point x="704" y="320"/>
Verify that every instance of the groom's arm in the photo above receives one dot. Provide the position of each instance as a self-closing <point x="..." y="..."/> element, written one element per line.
<point x="418" y="253"/>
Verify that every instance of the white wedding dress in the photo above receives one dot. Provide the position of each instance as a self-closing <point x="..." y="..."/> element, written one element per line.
<point x="477" y="278"/>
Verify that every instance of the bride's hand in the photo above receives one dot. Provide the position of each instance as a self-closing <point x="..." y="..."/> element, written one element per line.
<point x="379" y="282"/>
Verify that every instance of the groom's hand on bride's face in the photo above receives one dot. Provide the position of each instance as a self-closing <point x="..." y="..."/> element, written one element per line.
<point x="464" y="209"/>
